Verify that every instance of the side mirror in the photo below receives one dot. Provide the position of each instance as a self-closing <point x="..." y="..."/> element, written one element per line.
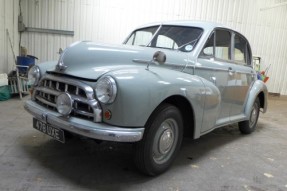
<point x="159" y="57"/>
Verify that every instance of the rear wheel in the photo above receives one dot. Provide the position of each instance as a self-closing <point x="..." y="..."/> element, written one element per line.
<point x="161" y="142"/>
<point x="247" y="127"/>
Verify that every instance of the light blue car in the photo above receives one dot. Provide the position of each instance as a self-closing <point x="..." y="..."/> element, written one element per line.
<point x="167" y="80"/>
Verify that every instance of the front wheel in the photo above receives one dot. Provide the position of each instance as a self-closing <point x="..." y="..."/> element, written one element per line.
<point x="247" y="127"/>
<point x="161" y="142"/>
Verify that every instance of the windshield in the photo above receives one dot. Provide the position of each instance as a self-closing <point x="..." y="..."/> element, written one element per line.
<point x="169" y="37"/>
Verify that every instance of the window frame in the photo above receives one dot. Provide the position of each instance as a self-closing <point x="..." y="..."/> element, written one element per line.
<point x="154" y="39"/>
<point x="231" y="51"/>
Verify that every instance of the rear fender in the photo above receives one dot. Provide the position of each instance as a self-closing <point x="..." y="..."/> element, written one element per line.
<point x="259" y="90"/>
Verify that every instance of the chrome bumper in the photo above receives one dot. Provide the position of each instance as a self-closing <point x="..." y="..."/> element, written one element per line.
<point x="100" y="131"/>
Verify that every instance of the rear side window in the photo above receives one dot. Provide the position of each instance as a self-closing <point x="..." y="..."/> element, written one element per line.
<point x="241" y="50"/>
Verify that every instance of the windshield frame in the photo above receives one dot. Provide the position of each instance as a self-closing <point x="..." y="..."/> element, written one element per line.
<point x="182" y="48"/>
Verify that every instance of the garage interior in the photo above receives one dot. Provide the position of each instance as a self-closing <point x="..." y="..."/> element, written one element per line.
<point x="221" y="160"/>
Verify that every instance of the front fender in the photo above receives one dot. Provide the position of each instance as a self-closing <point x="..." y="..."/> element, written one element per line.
<point x="258" y="89"/>
<point x="140" y="91"/>
<point x="46" y="66"/>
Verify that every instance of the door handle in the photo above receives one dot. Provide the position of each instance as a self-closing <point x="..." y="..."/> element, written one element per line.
<point x="213" y="79"/>
<point x="231" y="71"/>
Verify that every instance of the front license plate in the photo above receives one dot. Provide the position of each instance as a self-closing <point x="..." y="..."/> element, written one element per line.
<point x="56" y="133"/>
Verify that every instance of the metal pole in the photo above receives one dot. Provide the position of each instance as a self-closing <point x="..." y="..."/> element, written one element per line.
<point x="17" y="72"/>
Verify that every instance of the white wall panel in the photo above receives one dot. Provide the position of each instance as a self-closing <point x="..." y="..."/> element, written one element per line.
<point x="111" y="20"/>
<point x="8" y="21"/>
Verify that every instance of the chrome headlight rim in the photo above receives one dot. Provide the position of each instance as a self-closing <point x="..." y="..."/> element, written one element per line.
<point x="64" y="104"/>
<point x="34" y="75"/>
<point x="106" y="90"/>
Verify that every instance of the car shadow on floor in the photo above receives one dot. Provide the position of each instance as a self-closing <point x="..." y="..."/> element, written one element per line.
<point x="92" y="165"/>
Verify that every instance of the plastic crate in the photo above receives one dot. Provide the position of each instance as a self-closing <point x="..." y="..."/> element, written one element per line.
<point x="25" y="61"/>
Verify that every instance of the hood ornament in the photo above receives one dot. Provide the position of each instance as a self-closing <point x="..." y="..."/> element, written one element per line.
<point x="61" y="66"/>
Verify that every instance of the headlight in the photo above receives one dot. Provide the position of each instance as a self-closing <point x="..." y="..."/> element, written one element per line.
<point x="64" y="104"/>
<point x="34" y="75"/>
<point x="106" y="89"/>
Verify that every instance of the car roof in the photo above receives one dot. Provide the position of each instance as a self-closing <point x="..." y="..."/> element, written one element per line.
<point x="188" y="23"/>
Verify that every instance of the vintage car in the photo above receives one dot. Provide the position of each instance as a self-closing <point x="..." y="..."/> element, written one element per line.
<point x="167" y="80"/>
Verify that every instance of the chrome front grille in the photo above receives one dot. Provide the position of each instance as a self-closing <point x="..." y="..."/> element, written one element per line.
<point x="63" y="87"/>
<point x="84" y="104"/>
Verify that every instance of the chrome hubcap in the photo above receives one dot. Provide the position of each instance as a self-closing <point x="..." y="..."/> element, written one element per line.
<point x="165" y="141"/>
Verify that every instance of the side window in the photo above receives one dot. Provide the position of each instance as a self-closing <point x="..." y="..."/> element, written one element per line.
<point x="223" y="44"/>
<point x="241" y="50"/>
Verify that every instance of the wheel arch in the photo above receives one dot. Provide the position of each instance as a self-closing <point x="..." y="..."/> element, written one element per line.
<point x="259" y="90"/>
<point x="186" y="111"/>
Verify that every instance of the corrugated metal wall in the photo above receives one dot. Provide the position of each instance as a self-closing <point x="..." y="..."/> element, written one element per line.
<point x="111" y="20"/>
<point x="8" y="21"/>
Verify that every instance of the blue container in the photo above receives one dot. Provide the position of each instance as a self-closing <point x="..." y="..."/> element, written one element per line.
<point x="25" y="61"/>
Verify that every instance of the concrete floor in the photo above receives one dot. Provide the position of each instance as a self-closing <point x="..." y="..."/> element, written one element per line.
<point x="222" y="160"/>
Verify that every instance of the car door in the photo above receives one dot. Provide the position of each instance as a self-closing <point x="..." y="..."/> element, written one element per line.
<point x="242" y="75"/>
<point x="215" y="64"/>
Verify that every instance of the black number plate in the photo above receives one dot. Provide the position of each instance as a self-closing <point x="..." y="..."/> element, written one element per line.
<point x="56" y="133"/>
